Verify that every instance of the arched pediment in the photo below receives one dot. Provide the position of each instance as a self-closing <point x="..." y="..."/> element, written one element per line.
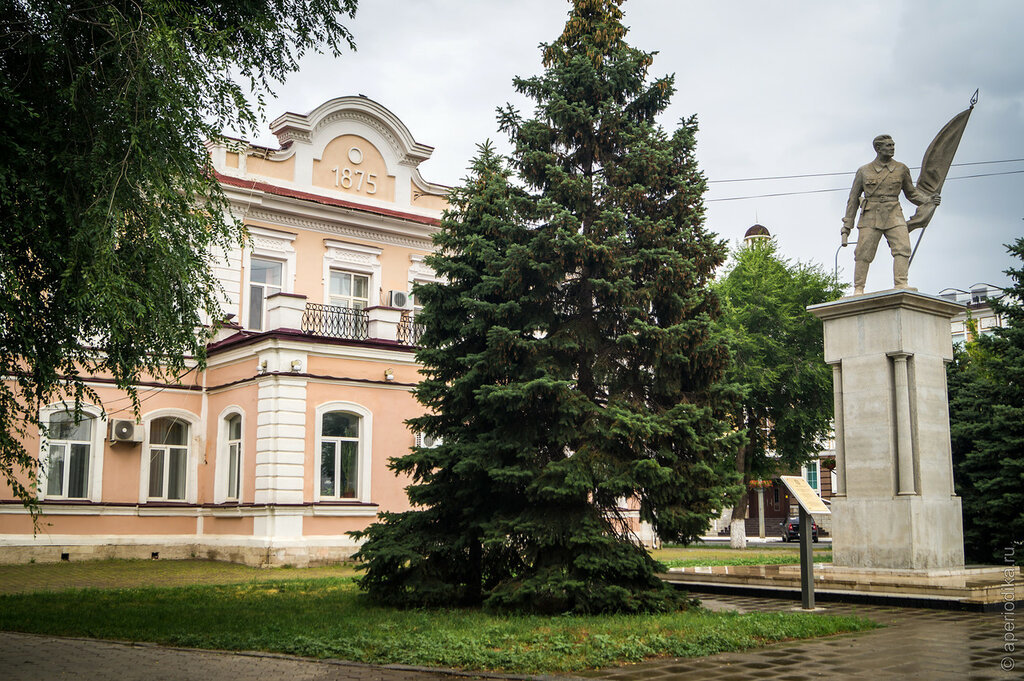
<point x="355" y="116"/>
<point x="349" y="148"/>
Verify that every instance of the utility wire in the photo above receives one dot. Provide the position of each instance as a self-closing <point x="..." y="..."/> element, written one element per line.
<point x="846" y="189"/>
<point x="794" y="177"/>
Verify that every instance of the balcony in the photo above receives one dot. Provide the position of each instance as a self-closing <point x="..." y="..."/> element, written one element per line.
<point x="335" y="322"/>
<point x="409" y="332"/>
<point x="290" y="312"/>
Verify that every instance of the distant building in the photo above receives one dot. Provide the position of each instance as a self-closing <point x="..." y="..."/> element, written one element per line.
<point x="979" y="311"/>
<point x="756" y="233"/>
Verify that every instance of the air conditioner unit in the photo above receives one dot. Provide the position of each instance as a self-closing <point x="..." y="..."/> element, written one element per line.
<point x="398" y="299"/>
<point x="124" y="430"/>
<point x="428" y="441"/>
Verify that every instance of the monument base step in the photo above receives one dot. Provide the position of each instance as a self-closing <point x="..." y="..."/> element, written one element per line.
<point x="975" y="588"/>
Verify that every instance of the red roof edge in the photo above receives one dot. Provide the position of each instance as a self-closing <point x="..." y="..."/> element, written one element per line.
<point x="325" y="200"/>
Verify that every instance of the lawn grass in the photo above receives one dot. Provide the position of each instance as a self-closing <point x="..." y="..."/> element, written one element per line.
<point x="778" y="559"/>
<point x="330" y="618"/>
<point x="117" y="574"/>
<point x="708" y="556"/>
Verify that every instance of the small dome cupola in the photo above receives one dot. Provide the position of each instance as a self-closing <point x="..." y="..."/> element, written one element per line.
<point x="757" y="233"/>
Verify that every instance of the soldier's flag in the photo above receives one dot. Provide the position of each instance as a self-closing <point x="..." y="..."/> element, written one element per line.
<point x="935" y="165"/>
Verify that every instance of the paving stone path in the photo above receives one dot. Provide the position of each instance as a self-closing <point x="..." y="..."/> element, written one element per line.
<point x="916" y="644"/>
<point x="28" y="657"/>
<point x="930" y="645"/>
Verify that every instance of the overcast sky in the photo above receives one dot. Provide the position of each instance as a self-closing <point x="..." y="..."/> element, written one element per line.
<point x="779" y="88"/>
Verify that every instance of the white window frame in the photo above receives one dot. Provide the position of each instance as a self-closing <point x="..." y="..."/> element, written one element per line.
<point x="94" y="485"/>
<point x="355" y="259"/>
<point x="331" y="296"/>
<point x="420" y="273"/>
<point x="817" y="468"/>
<point x="363" y="451"/>
<point x="267" y="292"/>
<point x="267" y="244"/>
<point x="195" y="445"/>
<point x="222" y="468"/>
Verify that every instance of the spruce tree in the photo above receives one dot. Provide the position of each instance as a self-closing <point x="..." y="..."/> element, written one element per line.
<point x="986" y="414"/>
<point x="478" y="326"/>
<point x="569" y="358"/>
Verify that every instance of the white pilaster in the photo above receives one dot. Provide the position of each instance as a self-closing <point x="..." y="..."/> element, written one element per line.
<point x="280" y="440"/>
<point x="840" y="434"/>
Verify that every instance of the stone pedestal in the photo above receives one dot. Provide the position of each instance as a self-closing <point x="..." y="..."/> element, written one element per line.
<point x="895" y="507"/>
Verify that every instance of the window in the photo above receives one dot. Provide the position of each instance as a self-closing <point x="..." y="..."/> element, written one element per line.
<point x="349" y="290"/>
<point x="811" y="475"/>
<point x="168" y="458"/>
<point x="69" y="451"/>
<point x="265" y="279"/>
<point x="234" y="453"/>
<point x="339" y="455"/>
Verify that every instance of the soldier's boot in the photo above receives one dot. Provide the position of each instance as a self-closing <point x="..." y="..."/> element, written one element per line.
<point x="900" y="268"/>
<point x="860" y="276"/>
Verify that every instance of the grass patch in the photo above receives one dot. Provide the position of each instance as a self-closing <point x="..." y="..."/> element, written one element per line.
<point x="120" y="574"/>
<point x="756" y="559"/>
<point x="329" y="618"/>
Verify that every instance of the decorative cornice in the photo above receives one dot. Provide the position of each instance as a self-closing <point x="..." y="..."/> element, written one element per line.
<point x="271" y="244"/>
<point x="421" y="269"/>
<point x="259" y="189"/>
<point x="339" y="228"/>
<point x="345" y="255"/>
<point x="289" y="135"/>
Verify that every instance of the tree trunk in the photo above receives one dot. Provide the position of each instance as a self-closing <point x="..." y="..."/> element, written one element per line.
<point x="474" y="580"/>
<point x="738" y="527"/>
<point x="738" y="534"/>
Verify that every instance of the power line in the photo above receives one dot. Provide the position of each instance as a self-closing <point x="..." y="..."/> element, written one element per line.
<point x="846" y="189"/>
<point x="795" y="177"/>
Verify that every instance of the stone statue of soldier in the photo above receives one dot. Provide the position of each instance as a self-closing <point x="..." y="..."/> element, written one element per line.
<point x="876" y="190"/>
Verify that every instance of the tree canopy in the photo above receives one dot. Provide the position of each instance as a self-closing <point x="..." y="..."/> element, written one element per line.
<point x="569" y="361"/>
<point x="111" y="214"/>
<point x="783" y="402"/>
<point x="986" y="414"/>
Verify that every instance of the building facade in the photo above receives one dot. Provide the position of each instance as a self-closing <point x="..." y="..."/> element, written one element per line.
<point x="279" y="447"/>
<point x="978" y="316"/>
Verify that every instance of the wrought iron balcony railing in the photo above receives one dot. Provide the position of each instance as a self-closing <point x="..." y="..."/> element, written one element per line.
<point x="409" y="332"/>
<point x="335" y="321"/>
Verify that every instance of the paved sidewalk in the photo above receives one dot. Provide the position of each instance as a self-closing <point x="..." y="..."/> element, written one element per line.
<point x="29" y="657"/>
<point x="930" y="645"/>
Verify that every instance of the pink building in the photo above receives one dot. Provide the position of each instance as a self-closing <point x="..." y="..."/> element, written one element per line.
<point x="279" y="447"/>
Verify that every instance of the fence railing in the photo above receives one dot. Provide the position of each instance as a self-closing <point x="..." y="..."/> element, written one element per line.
<point x="335" y="321"/>
<point x="409" y="332"/>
